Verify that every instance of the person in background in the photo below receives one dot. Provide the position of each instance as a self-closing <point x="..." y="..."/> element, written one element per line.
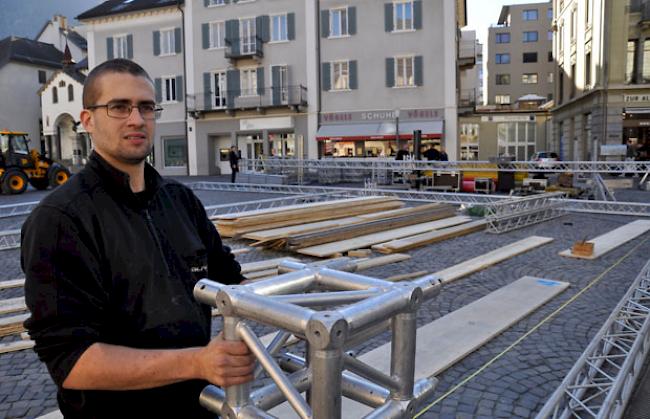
<point x="234" y="156"/>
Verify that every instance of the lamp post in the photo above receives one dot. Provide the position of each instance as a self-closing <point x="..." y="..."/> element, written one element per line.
<point x="397" y="142"/>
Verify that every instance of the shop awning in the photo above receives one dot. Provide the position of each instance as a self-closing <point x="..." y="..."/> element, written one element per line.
<point x="378" y="131"/>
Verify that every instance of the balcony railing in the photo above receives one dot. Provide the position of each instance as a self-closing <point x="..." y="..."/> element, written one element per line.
<point x="244" y="47"/>
<point x="467" y="98"/>
<point x="231" y="100"/>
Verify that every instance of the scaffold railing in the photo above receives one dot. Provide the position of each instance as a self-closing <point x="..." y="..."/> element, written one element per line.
<point x="286" y="165"/>
<point x="12" y="210"/>
<point x="600" y="383"/>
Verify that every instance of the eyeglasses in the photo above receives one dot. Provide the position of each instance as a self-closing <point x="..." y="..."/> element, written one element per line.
<point x="122" y="110"/>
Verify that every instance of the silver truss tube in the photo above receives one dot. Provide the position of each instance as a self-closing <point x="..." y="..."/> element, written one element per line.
<point x="402" y="354"/>
<point x="325" y="393"/>
<point x="269" y="396"/>
<point x="206" y="290"/>
<point x="608" y="207"/>
<point x="290" y="283"/>
<point x="372" y="374"/>
<point x="274" y="347"/>
<point x="600" y="383"/>
<point x="13" y="210"/>
<point x="284" y="385"/>
<point x="320" y="299"/>
<point x="375" y="309"/>
<point x="237" y="396"/>
<point x="383" y="164"/>
<point x="362" y="336"/>
<point x="287" y="266"/>
<point x="9" y="239"/>
<point x="263" y="310"/>
<point x="331" y="279"/>
<point x="392" y="409"/>
<point x="212" y="398"/>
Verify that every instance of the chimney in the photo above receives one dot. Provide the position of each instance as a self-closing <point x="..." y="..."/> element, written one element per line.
<point x="67" y="57"/>
<point x="62" y="22"/>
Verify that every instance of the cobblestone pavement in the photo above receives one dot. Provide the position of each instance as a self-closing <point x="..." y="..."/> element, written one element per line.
<point x="504" y="378"/>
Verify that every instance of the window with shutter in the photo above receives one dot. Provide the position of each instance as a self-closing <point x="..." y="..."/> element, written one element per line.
<point x="279" y="28"/>
<point x="341" y="75"/>
<point x="120" y="46"/>
<point x="169" y="92"/>
<point x="167" y="42"/>
<point x="248" y="80"/>
<point x="338" y="22"/>
<point x="216" y="34"/>
<point x="404" y="71"/>
<point x="403" y="16"/>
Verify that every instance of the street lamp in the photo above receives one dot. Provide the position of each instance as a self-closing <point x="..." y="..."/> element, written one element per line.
<point x="397" y="142"/>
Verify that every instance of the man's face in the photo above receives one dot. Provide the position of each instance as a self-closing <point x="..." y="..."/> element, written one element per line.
<point x="122" y="142"/>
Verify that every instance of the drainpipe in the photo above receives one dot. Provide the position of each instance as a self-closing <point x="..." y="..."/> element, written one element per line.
<point x="187" y="136"/>
<point x="604" y="59"/>
<point x="318" y="69"/>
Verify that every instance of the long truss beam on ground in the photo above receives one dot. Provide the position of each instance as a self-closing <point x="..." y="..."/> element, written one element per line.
<point x="601" y="382"/>
<point x="279" y="164"/>
<point x="13" y="210"/>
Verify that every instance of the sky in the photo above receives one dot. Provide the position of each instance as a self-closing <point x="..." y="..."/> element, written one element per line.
<point x="483" y="13"/>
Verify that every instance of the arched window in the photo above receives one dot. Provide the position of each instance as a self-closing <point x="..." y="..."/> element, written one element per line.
<point x="70" y="93"/>
<point x="55" y="95"/>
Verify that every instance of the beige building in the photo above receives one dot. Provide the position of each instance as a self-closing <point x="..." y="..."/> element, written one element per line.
<point x="519" y="58"/>
<point x="603" y="78"/>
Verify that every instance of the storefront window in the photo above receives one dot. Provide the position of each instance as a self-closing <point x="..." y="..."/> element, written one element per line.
<point x="516" y="139"/>
<point x="282" y="145"/>
<point x="174" y="152"/>
<point x="469" y="141"/>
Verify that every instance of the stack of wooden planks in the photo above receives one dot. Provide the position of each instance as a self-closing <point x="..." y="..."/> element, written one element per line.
<point x="234" y="225"/>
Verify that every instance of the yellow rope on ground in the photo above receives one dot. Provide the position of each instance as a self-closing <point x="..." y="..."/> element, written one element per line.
<point x="537" y="326"/>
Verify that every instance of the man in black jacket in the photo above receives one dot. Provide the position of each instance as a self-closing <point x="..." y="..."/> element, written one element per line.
<point x="111" y="259"/>
<point x="234" y="157"/>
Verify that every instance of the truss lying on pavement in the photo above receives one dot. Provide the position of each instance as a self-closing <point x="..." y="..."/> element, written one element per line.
<point x="17" y="209"/>
<point x="608" y="207"/>
<point x="601" y="382"/>
<point x="9" y="239"/>
<point x="516" y="213"/>
<point x="279" y="165"/>
<point x="361" y="307"/>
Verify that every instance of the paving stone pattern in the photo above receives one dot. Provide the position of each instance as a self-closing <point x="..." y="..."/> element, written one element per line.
<point x="515" y="385"/>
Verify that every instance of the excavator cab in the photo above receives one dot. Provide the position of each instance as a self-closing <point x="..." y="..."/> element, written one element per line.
<point x="20" y="166"/>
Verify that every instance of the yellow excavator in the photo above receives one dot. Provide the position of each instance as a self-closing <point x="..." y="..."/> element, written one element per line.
<point x="20" y="166"/>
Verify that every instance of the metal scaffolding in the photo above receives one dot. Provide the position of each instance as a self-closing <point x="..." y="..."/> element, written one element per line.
<point x="516" y="213"/>
<point x="13" y="210"/>
<point x="600" y="384"/>
<point x="9" y="239"/>
<point x="332" y="309"/>
<point x="288" y="165"/>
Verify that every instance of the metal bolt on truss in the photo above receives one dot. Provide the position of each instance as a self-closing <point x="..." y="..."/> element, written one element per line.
<point x="16" y="209"/>
<point x="9" y="239"/>
<point x="516" y="213"/>
<point x="332" y="309"/>
<point x="600" y="384"/>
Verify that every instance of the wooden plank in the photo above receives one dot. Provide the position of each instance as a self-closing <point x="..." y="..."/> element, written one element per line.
<point x="281" y="232"/>
<point x="613" y="239"/>
<point x="488" y="259"/>
<point x="12" y="283"/>
<point x="381" y="261"/>
<point x="13" y="324"/>
<point x="12" y="305"/>
<point x="262" y="274"/>
<point x="410" y="275"/>
<point x="447" y="340"/>
<point x="411" y="242"/>
<point x="240" y="251"/>
<point x="264" y="264"/>
<point x="324" y="250"/>
<point x="16" y="346"/>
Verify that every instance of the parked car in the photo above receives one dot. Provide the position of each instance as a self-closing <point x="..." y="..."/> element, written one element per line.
<point x="545" y="158"/>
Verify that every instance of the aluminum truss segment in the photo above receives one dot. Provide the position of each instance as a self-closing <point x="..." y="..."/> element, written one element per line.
<point x="17" y="209"/>
<point x="516" y="213"/>
<point x="600" y="383"/>
<point x="608" y="207"/>
<point x="284" y="302"/>
<point x="286" y="166"/>
<point x="9" y="239"/>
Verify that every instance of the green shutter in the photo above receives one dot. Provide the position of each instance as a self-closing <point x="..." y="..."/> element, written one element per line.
<point x="158" y="85"/>
<point x="109" y="48"/>
<point x="275" y="82"/>
<point x="178" y="40"/>
<point x="291" y="26"/>
<point x="354" y="80"/>
<point x="262" y="29"/>
<point x="327" y="77"/>
<point x="232" y="36"/>
<point x="325" y="23"/>
<point x="390" y="72"/>
<point x="418" y="74"/>
<point x="207" y="91"/>
<point x="417" y="14"/>
<point x="205" y="31"/>
<point x="388" y="17"/>
<point x="129" y="47"/>
<point x="234" y="87"/>
<point x="352" y="20"/>
<point x="179" y="89"/>
<point x="156" y="43"/>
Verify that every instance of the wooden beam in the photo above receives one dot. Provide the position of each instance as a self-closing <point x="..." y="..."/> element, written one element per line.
<point x="16" y="346"/>
<point x="613" y="239"/>
<point x="327" y="249"/>
<point x="12" y="325"/>
<point x="12" y="283"/>
<point x="12" y="305"/>
<point x="264" y="264"/>
<point x="411" y="242"/>
<point x="488" y="259"/>
<point x="410" y="275"/>
<point x="381" y="261"/>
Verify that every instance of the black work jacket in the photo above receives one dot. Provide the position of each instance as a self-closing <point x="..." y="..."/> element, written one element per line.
<point x="103" y="264"/>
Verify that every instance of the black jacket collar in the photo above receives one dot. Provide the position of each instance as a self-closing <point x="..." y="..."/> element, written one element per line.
<point x="117" y="182"/>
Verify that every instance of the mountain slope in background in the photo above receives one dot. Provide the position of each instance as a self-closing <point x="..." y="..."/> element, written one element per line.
<point x="25" y="18"/>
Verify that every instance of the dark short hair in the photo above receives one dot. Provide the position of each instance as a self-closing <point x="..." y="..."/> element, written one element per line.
<point x="117" y="65"/>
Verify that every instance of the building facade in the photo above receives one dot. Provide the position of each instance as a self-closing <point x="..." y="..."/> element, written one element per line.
<point x="519" y="59"/>
<point x="603" y="78"/>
